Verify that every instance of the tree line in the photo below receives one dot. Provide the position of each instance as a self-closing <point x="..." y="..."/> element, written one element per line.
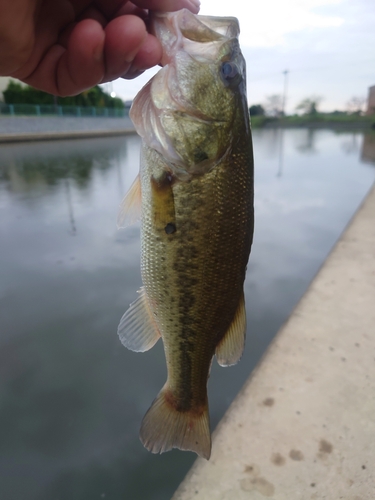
<point x="308" y="106"/>
<point x="15" y="93"/>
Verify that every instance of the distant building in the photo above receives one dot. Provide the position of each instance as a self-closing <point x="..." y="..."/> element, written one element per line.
<point x="371" y="101"/>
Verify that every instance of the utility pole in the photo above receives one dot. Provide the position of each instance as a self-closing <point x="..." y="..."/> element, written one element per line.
<point x="285" y="73"/>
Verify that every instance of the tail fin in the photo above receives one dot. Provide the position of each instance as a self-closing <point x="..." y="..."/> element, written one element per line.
<point x="164" y="428"/>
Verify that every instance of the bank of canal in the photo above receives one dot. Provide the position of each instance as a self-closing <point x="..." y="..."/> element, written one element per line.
<point x="71" y="396"/>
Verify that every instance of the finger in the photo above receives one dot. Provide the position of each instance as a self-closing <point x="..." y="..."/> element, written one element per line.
<point x="124" y="36"/>
<point x="169" y="5"/>
<point x="149" y="55"/>
<point x="94" y="13"/>
<point x="82" y="64"/>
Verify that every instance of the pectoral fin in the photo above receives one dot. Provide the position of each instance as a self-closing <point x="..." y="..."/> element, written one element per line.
<point x="230" y="349"/>
<point x="130" y="208"/>
<point x="137" y="330"/>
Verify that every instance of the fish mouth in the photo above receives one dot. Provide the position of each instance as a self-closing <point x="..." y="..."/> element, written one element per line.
<point x="178" y="112"/>
<point x="200" y="36"/>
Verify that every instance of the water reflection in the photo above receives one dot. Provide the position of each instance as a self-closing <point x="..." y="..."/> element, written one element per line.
<point x="368" y="148"/>
<point x="308" y="144"/>
<point x="71" y="397"/>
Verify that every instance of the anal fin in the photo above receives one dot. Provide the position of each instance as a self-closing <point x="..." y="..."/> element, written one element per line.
<point x="230" y="349"/>
<point x="137" y="330"/>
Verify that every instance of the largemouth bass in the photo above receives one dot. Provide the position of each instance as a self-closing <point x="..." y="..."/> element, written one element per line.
<point x="195" y="193"/>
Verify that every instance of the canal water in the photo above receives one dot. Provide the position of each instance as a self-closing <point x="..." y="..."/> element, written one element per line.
<point x="71" y="396"/>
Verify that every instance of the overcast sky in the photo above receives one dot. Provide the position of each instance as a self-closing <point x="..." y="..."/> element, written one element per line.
<point x="328" y="46"/>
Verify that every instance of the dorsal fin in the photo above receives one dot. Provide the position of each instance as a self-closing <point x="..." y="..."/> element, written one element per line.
<point x="130" y="208"/>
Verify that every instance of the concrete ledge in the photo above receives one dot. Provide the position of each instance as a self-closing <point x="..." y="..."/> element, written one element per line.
<point x="53" y="136"/>
<point x="303" y="426"/>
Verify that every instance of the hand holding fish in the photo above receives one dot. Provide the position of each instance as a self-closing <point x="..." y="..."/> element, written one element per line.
<point x="64" y="47"/>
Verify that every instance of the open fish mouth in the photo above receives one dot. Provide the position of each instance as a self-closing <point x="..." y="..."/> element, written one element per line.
<point x="187" y="109"/>
<point x="182" y="31"/>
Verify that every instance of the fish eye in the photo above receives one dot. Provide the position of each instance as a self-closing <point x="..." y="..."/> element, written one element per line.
<point x="229" y="70"/>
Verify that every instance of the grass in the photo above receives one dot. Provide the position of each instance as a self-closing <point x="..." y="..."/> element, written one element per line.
<point x="340" y="120"/>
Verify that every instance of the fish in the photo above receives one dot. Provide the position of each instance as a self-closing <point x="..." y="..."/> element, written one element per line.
<point x="194" y="197"/>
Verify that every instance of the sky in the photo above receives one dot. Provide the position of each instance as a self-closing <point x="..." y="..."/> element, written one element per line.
<point x="328" y="47"/>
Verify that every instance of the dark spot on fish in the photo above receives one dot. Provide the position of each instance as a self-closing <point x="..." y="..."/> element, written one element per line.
<point x="296" y="455"/>
<point x="325" y="446"/>
<point x="277" y="459"/>
<point x="170" y="228"/>
<point x="269" y="402"/>
<point x="363" y="467"/>
<point x="312" y="485"/>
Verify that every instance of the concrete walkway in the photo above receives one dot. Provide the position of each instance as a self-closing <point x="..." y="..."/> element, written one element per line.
<point x="31" y="128"/>
<point x="303" y="426"/>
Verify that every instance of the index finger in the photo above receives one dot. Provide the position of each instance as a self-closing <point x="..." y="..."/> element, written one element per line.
<point x="109" y="8"/>
<point x="169" y="5"/>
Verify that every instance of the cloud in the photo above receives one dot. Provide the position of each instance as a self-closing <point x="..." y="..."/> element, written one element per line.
<point x="327" y="45"/>
<point x="266" y="23"/>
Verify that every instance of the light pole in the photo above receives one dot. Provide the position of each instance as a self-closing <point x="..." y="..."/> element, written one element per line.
<point x="285" y="73"/>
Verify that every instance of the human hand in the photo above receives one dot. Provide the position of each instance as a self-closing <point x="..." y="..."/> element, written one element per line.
<point x="66" y="46"/>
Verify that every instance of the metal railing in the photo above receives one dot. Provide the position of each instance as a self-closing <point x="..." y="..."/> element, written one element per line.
<point x="51" y="110"/>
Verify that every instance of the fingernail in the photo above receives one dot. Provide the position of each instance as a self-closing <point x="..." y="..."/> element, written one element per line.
<point x="131" y="74"/>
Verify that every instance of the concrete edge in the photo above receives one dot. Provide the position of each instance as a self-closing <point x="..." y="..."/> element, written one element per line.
<point x="303" y="425"/>
<point x="53" y="136"/>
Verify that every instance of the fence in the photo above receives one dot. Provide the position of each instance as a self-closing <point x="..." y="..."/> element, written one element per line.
<point x="50" y="109"/>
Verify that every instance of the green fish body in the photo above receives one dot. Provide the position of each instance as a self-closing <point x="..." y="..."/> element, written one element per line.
<point x="195" y="191"/>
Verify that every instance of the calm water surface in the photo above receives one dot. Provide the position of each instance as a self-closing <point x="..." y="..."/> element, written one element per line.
<point x="71" y="396"/>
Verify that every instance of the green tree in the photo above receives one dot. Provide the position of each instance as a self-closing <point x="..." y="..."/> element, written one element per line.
<point x="309" y="106"/>
<point x="15" y="93"/>
<point x="257" y="110"/>
<point x="274" y="104"/>
<point x="356" y="104"/>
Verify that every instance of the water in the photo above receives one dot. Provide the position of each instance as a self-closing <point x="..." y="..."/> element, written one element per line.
<point x="71" y="397"/>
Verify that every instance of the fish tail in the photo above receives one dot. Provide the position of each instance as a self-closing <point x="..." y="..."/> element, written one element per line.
<point x="164" y="427"/>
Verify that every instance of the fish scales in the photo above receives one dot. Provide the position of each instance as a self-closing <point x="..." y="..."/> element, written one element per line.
<point x="192" y="262"/>
<point x="196" y="231"/>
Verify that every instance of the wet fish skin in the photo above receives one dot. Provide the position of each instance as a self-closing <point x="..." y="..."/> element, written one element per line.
<point x="196" y="183"/>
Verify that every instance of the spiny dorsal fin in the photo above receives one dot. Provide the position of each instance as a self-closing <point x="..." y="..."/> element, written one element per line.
<point x="137" y="330"/>
<point x="230" y="349"/>
<point x="130" y="208"/>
